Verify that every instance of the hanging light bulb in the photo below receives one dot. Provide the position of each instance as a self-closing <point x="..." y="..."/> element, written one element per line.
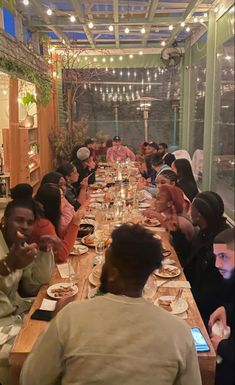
<point x="195" y="19"/>
<point x="111" y="28"/>
<point x="120" y="73"/>
<point x="143" y="30"/>
<point x="114" y="72"/>
<point x="72" y="18"/>
<point x="128" y="73"/>
<point x="86" y="58"/>
<point x="49" y="11"/>
<point x="182" y="24"/>
<point x="90" y="25"/>
<point x="131" y="56"/>
<point x="120" y="58"/>
<point x="106" y="69"/>
<point x="103" y="60"/>
<point x="111" y="59"/>
<point x="135" y="74"/>
<point x="205" y="14"/>
<point x="141" y="53"/>
<point x="95" y="59"/>
<point x="201" y="20"/>
<point x="26" y="2"/>
<point x="163" y="43"/>
<point x="171" y="27"/>
<point x="126" y="30"/>
<point x="187" y="29"/>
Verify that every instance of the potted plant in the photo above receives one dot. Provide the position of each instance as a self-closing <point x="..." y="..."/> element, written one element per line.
<point x="28" y="101"/>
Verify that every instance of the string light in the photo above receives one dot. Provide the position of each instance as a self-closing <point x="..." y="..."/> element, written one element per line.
<point x="187" y="29"/>
<point x="195" y="19"/>
<point x="90" y="25"/>
<point x="170" y="27"/>
<point x="201" y="20"/>
<point x="26" y="2"/>
<point x="163" y="43"/>
<point x="111" y="28"/>
<point x="111" y="59"/>
<point x="216" y="9"/>
<point x="141" y="53"/>
<point x="126" y="30"/>
<point x="120" y="58"/>
<point x="4" y="92"/>
<point x="205" y="14"/>
<point x="131" y="56"/>
<point x="143" y="30"/>
<point x="72" y="18"/>
<point x="49" y="12"/>
<point x="182" y="24"/>
<point x="95" y="59"/>
<point x="103" y="60"/>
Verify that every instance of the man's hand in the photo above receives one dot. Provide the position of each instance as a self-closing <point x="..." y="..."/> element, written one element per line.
<point x="20" y="256"/>
<point x="218" y="315"/>
<point x="80" y="213"/>
<point x="84" y="182"/>
<point x="49" y="242"/>
<point x="215" y="340"/>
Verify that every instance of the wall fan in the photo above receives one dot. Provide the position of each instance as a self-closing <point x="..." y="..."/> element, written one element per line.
<point x="171" y="56"/>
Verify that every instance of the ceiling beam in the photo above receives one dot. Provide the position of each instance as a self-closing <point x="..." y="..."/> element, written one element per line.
<point x="116" y="19"/>
<point x="80" y="14"/>
<point x="151" y="13"/>
<point x="58" y="31"/>
<point x="192" y="7"/>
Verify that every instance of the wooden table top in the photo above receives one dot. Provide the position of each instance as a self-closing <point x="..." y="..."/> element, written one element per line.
<point x="31" y="329"/>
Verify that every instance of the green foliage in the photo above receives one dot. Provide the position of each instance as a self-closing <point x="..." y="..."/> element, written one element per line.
<point x="28" y="100"/>
<point x="63" y="140"/>
<point x="42" y="82"/>
<point x="10" y="4"/>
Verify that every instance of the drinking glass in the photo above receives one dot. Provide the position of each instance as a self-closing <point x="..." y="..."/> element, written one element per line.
<point x="73" y="271"/>
<point x="100" y="250"/>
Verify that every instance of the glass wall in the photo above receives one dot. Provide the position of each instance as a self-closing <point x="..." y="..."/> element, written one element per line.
<point x="223" y="160"/>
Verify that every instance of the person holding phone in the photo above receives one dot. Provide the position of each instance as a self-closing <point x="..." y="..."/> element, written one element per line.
<point x="85" y="166"/>
<point x="24" y="267"/>
<point x="224" y="315"/>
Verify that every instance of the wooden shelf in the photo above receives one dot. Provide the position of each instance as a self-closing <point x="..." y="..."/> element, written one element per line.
<point x="34" y="169"/>
<point x="35" y="182"/>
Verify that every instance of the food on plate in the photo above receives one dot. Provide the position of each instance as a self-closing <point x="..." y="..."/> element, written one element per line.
<point x="152" y="221"/>
<point x="97" y="186"/>
<point x="62" y="291"/>
<point x="165" y="304"/>
<point x="89" y="239"/>
<point x="168" y="271"/>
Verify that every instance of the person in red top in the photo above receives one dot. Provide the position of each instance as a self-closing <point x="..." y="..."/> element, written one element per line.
<point x="50" y="198"/>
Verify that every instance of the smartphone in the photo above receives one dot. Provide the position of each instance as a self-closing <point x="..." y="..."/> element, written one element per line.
<point x="42" y="315"/>
<point x="199" y="341"/>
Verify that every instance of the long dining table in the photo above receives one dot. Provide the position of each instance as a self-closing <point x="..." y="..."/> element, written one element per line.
<point x="83" y="265"/>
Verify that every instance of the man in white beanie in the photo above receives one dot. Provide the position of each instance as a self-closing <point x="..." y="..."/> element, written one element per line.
<point x="85" y="166"/>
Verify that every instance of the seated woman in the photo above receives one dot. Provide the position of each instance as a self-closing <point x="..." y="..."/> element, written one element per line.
<point x="70" y="175"/>
<point x="185" y="178"/>
<point x="169" y="210"/>
<point x="208" y="287"/>
<point x="50" y="198"/>
<point x="24" y="267"/>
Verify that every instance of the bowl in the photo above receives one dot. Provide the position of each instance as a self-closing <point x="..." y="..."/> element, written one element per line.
<point x="85" y="229"/>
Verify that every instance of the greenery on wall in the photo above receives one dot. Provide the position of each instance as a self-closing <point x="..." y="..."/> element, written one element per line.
<point x="42" y="82"/>
<point x="9" y="3"/>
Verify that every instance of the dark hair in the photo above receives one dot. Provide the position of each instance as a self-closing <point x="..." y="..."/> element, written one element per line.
<point x="174" y="194"/>
<point x="153" y="145"/>
<point x="66" y="169"/>
<point x="109" y="143"/>
<point x="184" y="169"/>
<point x="211" y="207"/>
<point x="89" y="141"/>
<point x="164" y="145"/>
<point x="157" y="160"/>
<point x="52" y="177"/>
<point x="21" y="196"/>
<point x="227" y="237"/>
<point x="169" y="174"/>
<point x="135" y="252"/>
<point x="74" y="152"/>
<point x="49" y="196"/>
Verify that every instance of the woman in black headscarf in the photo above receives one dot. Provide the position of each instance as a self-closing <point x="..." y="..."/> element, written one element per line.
<point x="208" y="287"/>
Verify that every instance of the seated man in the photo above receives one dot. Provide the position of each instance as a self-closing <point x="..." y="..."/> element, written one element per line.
<point x="119" y="152"/>
<point x="225" y="263"/>
<point x="85" y="166"/>
<point x="166" y="156"/>
<point x="117" y="338"/>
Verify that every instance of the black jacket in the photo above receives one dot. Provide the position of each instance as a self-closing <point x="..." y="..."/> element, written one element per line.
<point x="189" y="188"/>
<point x="83" y="172"/>
<point x="209" y="288"/>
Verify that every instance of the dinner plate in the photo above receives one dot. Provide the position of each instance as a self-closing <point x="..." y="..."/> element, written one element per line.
<point x="151" y="223"/>
<point x="92" y="293"/>
<point x="83" y="240"/>
<point x="79" y="249"/>
<point x="168" y="271"/>
<point x="177" y="307"/>
<point x="61" y="290"/>
<point x="93" y="281"/>
<point x="144" y="205"/>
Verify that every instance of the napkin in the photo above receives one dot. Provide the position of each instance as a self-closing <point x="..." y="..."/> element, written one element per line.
<point x="48" y="304"/>
<point x="64" y="270"/>
<point x="170" y="283"/>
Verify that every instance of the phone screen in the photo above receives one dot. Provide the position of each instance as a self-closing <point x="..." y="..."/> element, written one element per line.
<point x="199" y="341"/>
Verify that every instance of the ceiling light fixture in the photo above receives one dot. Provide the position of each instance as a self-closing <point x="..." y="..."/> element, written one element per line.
<point x="49" y="12"/>
<point x="163" y="43"/>
<point x="86" y="58"/>
<point x="205" y="14"/>
<point x="141" y="53"/>
<point x="143" y="30"/>
<point x="72" y="18"/>
<point x="131" y="56"/>
<point x="111" y="28"/>
<point x="187" y="29"/>
<point x="90" y="25"/>
<point x="171" y="27"/>
<point x="182" y="24"/>
<point x="126" y="30"/>
<point x="26" y="2"/>
<point x="195" y="19"/>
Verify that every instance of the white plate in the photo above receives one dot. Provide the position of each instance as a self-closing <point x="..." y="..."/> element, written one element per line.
<point x="159" y="272"/>
<point x="79" y="249"/>
<point x="178" y="307"/>
<point x="144" y="205"/>
<point x="83" y="240"/>
<point x="92" y="293"/>
<point x="93" y="281"/>
<point x="62" y="285"/>
<point x="151" y="223"/>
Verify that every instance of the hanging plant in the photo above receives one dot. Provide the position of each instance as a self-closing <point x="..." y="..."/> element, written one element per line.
<point x="10" y="4"/>
<point x="42" y="82"/>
